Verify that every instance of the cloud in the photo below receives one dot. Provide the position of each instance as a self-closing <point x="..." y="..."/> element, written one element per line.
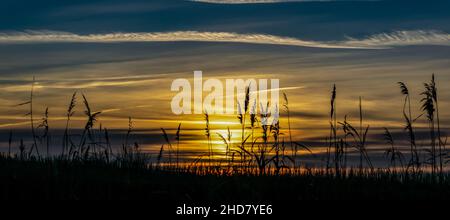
<point x="54" y="36"/>
<point x="402" y="38"/>
<point x="70" y="83"/>
<point x="377" y="41"/>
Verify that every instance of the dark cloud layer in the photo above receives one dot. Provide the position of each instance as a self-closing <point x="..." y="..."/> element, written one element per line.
<point x="331" y="20"/>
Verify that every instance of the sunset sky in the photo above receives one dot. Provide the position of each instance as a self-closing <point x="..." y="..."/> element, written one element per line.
<point x="124" y="55"/>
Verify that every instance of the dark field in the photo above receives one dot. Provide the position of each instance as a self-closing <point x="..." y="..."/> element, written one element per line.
<point x="59" y="179"/>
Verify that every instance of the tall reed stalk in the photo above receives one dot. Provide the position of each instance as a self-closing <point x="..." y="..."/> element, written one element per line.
<point x="293" y="147"/>
<point x="66" y="136"/>
<point x="242" y="120"/>
<point x="253" y="119"/>
<point x="177" y="139"/>
<point x="430" y="107"/>
<point x="208" y="138"/>
<point x="83" y="151"/>
<point x="333" y="127"/>
<point x="392" y="153"/>
<point x="31" y="118"/>
<point x="441" y="143"/>
<point x="359" y="137"/>
<point x="31" y="115"/>
<point x="46" y="135"/>
<point x="407" y="114"/>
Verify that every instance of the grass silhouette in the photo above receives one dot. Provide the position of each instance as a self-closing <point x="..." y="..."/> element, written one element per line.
<point x="256" y="158"/>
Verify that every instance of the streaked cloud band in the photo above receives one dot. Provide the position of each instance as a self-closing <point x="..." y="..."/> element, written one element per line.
<point x="377" y="41"/>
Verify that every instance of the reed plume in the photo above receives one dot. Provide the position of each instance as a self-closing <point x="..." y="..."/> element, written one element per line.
<point x="407" y="115"/>
<point x="66" y="136"/>
<point x="46" y="135"/>
<point x="91" y="119"/>
<point x="333" y="126"/>
<point x="430" y="108"/>
<point x="392" y="153"/>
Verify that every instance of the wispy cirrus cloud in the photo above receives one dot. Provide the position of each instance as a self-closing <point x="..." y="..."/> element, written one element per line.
<point x="376" y="41"/>
<point x="56" y="36"/>
<point x="402" y="38"/>
<point x="72" y="83"/>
